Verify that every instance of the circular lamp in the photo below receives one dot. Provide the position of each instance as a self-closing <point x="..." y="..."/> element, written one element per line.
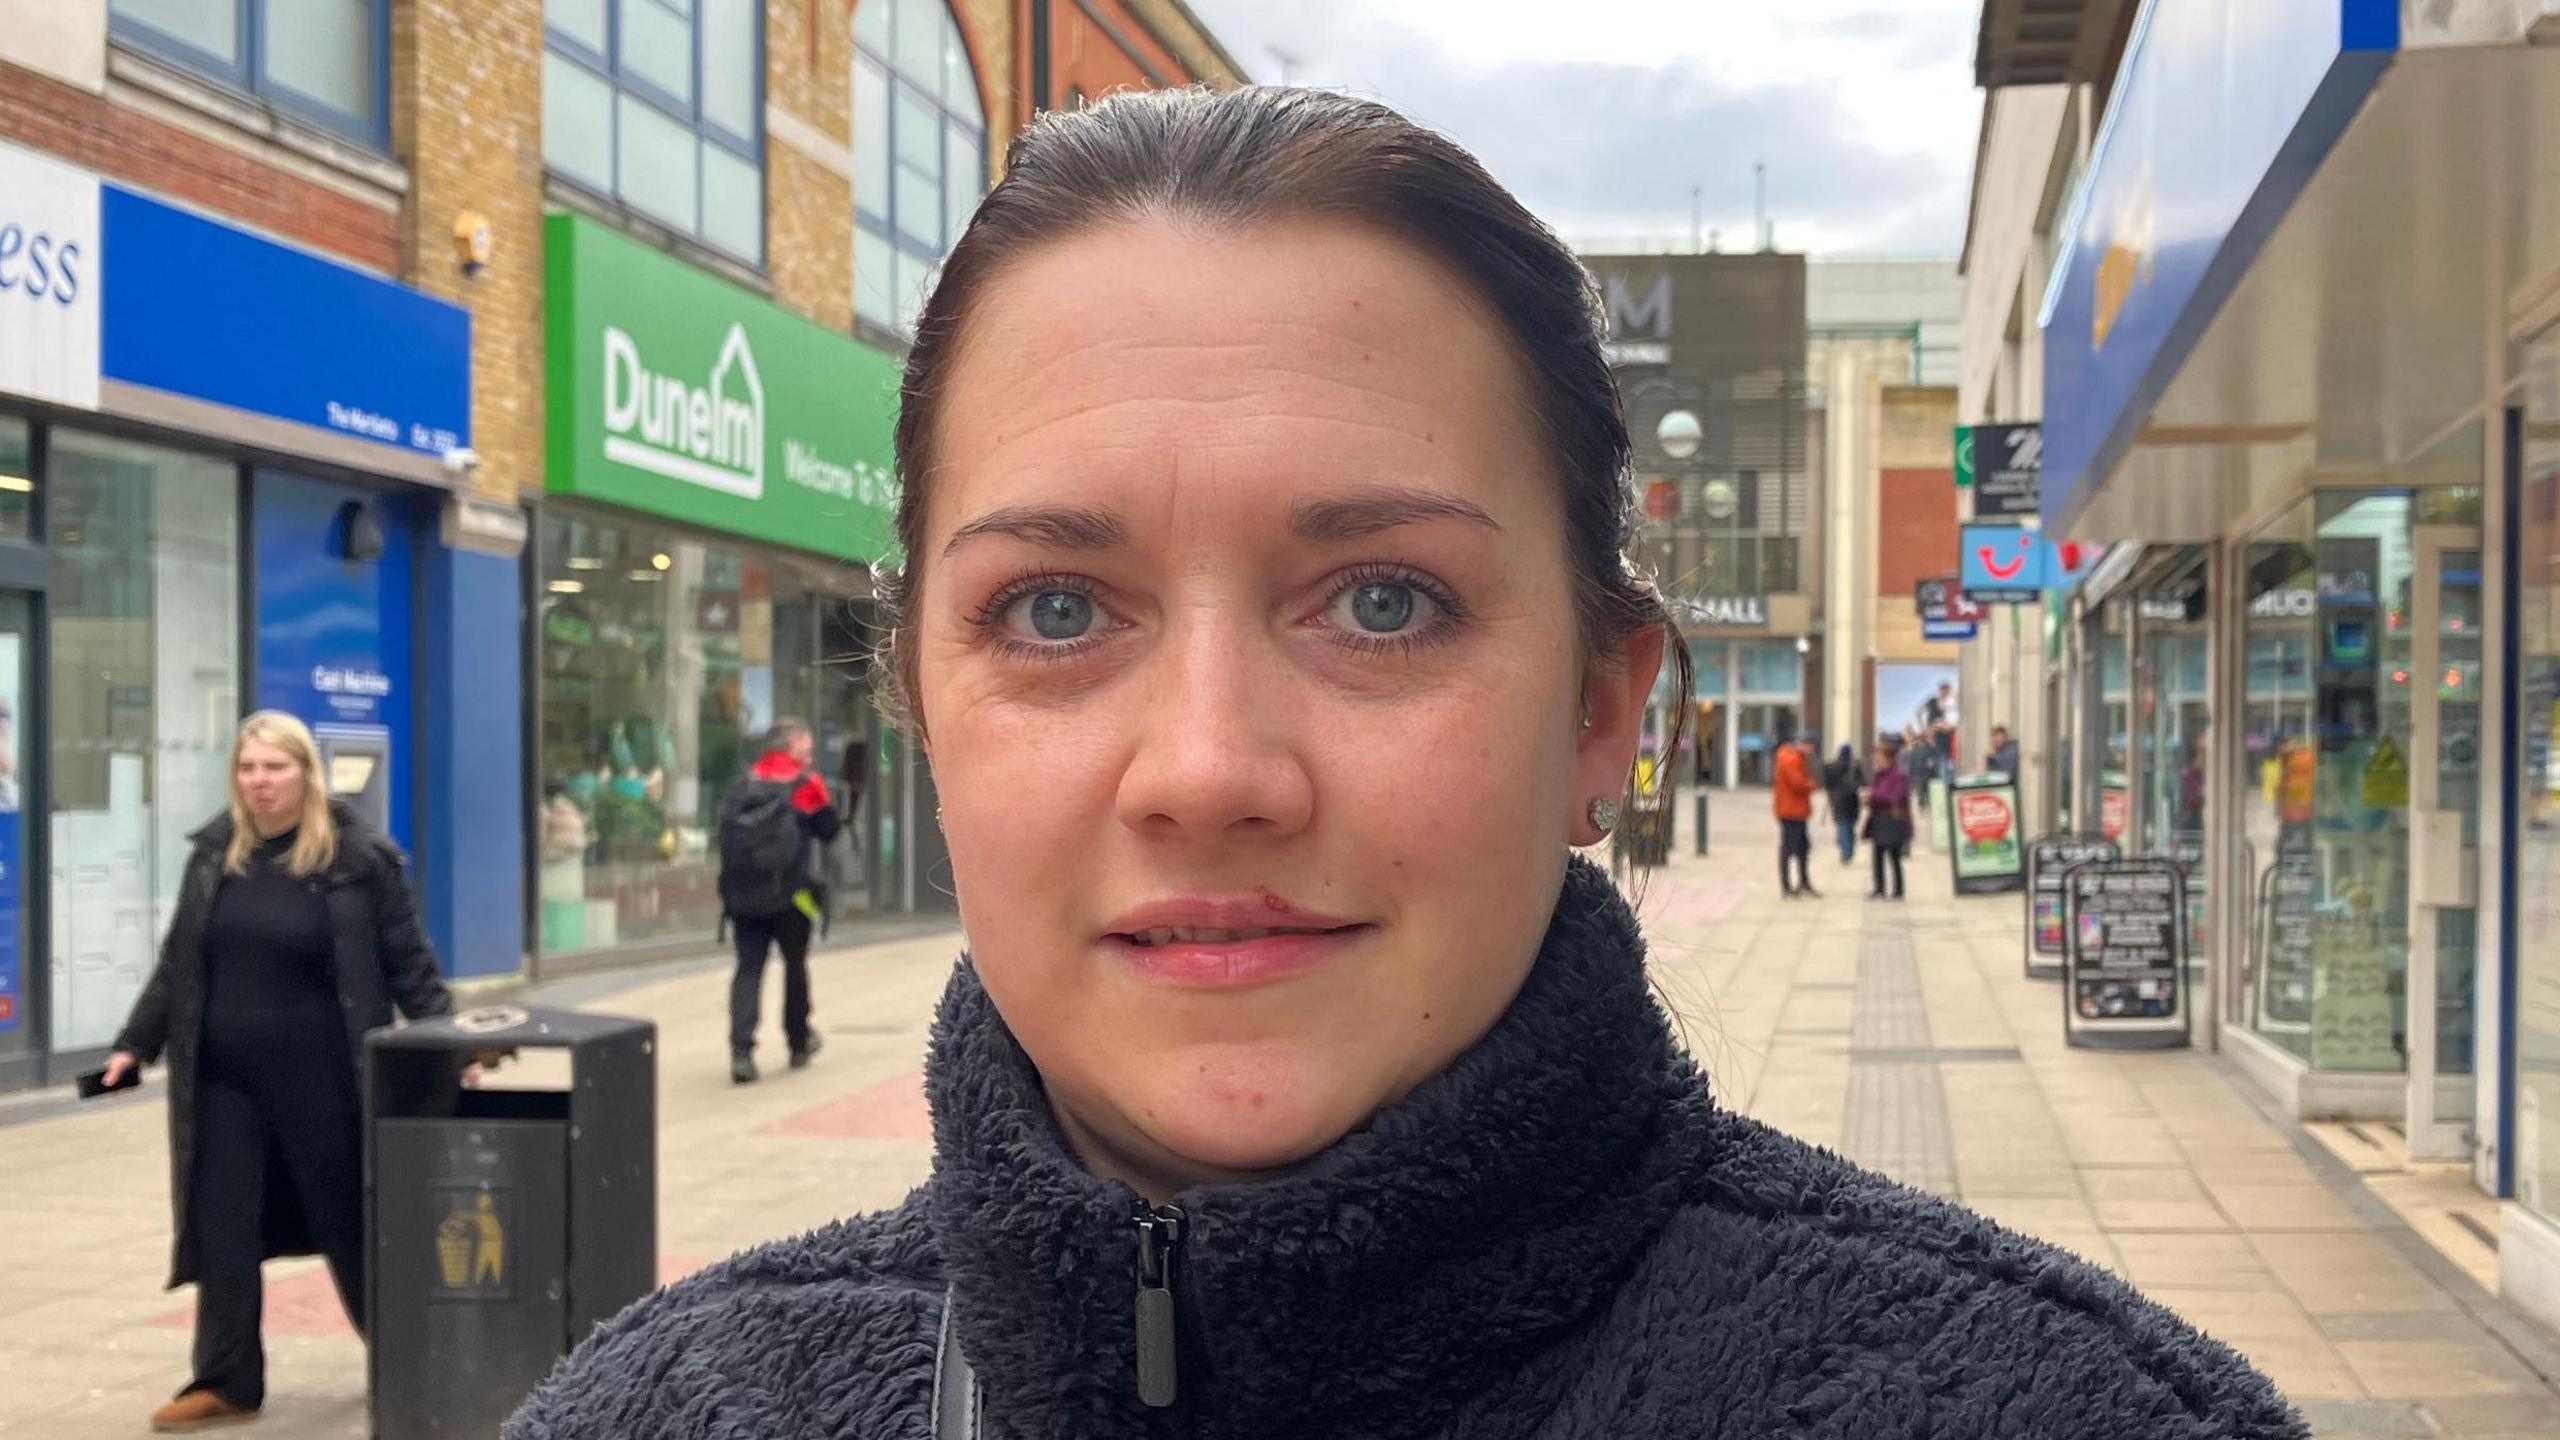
<point x="1679" y="434"/>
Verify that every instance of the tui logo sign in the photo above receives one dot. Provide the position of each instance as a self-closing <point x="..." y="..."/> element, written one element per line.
<point x="2009" y="564"/>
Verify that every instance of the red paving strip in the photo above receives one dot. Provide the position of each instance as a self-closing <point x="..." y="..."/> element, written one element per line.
<point x="307" y="1304"/>
<point x="891" y="1110"/>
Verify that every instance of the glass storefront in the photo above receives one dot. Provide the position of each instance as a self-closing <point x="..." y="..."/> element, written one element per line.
<point x="1751" y="702"/>
<point x="2174" y="711"/>
<point x="2361" y="731"/>
<point x="664" y="658"/>
<point x="145" y="693"/>
<point x="2107" y="672"/>
<point x="2535" y="774"/>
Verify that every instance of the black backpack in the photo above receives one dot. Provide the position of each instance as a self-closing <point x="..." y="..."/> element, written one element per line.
<point x="764" y="852"/>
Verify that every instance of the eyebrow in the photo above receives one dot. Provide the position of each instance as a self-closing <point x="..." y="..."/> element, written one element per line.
<point x="1067" y="527"/>
<point x="1370" y="511"/>
<point x="1336" y="518"/>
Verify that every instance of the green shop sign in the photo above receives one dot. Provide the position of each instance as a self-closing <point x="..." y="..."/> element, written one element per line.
<point x="679" y="394"/>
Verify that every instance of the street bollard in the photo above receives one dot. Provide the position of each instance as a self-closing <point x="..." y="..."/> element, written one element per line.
<point x="1702" y="819"/>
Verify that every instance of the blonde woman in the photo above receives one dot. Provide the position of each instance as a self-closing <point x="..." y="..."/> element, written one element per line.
<point x="295" y="934"/>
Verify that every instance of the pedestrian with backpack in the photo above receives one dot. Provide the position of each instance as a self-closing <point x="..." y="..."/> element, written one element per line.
<point x="771" y="826"/>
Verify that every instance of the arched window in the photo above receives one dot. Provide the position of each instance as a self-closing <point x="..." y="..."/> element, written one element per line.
<point x="920" y="153"/>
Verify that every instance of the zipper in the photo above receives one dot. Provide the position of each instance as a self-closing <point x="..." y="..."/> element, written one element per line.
<point x="1160" y="1234"/>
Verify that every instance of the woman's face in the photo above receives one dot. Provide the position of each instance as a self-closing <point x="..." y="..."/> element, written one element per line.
<point x="271" y="784"/>
<point x="1244" y="608"/>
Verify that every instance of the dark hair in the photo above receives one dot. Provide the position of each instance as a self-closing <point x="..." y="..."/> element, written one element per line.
<point x="1235" y="158"/>
<point x="784" y="735"/>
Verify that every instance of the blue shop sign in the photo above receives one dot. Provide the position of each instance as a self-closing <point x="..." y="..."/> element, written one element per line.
<point x="197" y="309"/>
<point x="2012" y="564"/>
<point x="2223" y="111"/>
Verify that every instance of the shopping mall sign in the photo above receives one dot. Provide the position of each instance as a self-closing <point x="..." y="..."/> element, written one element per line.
<point x="679" y="394"/>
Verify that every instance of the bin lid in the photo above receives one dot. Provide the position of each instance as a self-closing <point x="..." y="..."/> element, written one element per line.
<point x="509" y="1027"/>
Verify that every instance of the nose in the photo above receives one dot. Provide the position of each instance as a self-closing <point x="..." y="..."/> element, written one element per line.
<point x="1216" y="747"/>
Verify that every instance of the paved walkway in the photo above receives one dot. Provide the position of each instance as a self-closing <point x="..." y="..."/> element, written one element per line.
<point x="1905" y="1036"/>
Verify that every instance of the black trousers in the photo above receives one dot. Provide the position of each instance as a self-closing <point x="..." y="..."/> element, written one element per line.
<point x="1892" y="853"/>
<point x="756" y="937"/>
<point x="249" y="1135"/>
<point x="1795" y="845"/>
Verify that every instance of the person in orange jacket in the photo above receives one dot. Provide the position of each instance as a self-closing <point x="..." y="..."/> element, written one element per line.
<point x="1792" y="797"/>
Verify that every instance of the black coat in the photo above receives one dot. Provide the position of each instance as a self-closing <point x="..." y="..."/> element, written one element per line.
<point x="1558" y="1237"/>
<point x="383" y="961"/>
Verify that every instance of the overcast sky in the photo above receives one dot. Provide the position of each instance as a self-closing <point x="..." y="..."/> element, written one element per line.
<point x="1601" y="114"/>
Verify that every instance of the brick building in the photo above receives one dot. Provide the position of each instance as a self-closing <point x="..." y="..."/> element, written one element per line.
<point x="327" y="351"/>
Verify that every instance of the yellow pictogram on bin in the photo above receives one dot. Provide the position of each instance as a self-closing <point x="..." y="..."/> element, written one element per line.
<point x="471" y="1246"/>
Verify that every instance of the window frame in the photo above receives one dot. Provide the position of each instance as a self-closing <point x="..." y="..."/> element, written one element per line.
<point x="883" y="225"/>
<point x="248" y="77"/>
<point x="607" y="66"/>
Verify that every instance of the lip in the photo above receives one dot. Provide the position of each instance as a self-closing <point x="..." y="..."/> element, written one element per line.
<point x="1316" y="939"/>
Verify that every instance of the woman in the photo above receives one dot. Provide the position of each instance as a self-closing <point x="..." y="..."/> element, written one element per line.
<point x="1842" y="779"/>
<point x="295" y="934"/>
<point x="1267" y="621"/>
<point x="1888" y="817"/>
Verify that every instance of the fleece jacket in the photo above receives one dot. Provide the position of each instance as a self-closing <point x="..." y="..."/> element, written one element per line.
<point x="1560" y="1236"/>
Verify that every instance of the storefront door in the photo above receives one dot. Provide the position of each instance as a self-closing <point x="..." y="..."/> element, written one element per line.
<point x="17" y="1035"/>
<point x="2445" y="749"/>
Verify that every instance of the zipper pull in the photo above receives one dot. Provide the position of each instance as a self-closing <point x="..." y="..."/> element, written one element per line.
<point x="1159" y="1263"/>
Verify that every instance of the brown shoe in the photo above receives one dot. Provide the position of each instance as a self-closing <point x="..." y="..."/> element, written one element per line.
<point x="199" y="1410"/>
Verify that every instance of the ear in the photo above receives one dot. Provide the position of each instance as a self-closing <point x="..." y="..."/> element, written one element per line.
<point x="1614" y="693"/>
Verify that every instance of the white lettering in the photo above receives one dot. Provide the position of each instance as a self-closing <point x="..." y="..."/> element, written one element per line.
<point x="335" y="680"/>
<point x="621" y="381"/>
<point x="712" y="436"/>
<point x="362" y="422"/>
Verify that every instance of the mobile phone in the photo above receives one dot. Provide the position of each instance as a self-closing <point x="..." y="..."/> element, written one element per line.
<point x="94" y="1083"/>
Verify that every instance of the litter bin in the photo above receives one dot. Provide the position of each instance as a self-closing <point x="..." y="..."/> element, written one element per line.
<point x="501" y="1224"/>
<point x="1649" y="830"/>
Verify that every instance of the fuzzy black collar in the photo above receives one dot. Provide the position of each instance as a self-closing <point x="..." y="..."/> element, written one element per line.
<point x="1393" y="1277"/>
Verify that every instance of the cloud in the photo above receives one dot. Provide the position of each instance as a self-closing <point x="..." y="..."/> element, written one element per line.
<point x="1864" y="114"/>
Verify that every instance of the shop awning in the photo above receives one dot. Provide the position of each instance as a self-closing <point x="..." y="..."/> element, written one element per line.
<point x="2044" y="42"/>
<point x="2222" y="113"/>
<point x="2338" y="314"/>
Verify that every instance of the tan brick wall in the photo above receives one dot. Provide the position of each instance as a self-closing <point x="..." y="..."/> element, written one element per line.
<point x="809" y="203"/>
<point x="467" y="117"/>
<point x="996" y="39"/>
<point x="809" y="245"/>
<point x="1189" y="40"/>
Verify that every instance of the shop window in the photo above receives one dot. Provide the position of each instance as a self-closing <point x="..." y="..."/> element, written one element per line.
<point x="1772" y="667"/>
<point x="2535" y="774"/>
<point x="663" y="661"/>
<point x="920" y="153"/>
<point x="2335" y="717"/>
<point x="2173" y="751"/>
<point x="659" y="105"/>
<point x="321" y="61"/>
<point x="17" y="479"/>
<point x="145" y="694"/>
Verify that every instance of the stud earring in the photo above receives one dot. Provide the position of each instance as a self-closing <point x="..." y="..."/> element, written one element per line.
<point x="1604" y="815"/>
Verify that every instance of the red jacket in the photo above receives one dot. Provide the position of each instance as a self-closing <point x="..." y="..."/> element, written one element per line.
<point x="811" y="798"/>
<point x="1792" y="792"/>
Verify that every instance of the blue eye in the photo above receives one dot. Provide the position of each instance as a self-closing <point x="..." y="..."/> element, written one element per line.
<point x="1054" y="615"/>
<point x="1383" y="607"/>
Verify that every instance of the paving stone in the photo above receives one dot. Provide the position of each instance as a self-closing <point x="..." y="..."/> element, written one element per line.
<point x="2366" y="1420"/>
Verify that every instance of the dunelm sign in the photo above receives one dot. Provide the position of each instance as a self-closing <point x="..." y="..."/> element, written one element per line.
<point x="679" y="394"/>
<point x="712" y="436"/>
